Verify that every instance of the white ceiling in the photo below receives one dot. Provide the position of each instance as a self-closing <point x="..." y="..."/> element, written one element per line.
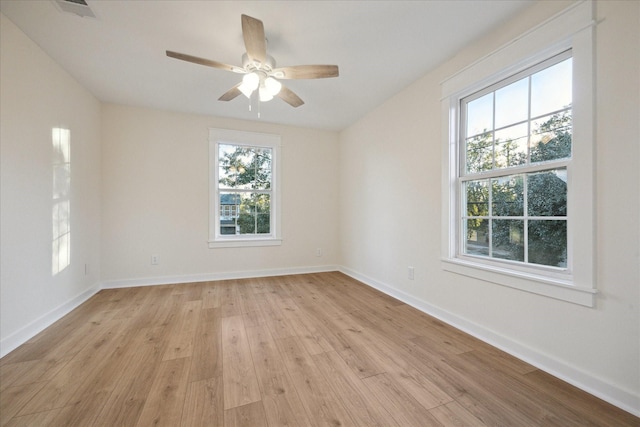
<point x="380" y="46"/>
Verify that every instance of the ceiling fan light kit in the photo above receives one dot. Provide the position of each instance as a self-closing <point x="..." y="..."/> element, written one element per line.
<point x="259" y="68"/>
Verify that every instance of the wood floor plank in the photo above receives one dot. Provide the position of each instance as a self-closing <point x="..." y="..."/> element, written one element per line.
<point x="453" y="414"/>
<point x="15" y="398"/>
<point x="206" y="359"/>
<point x="305" y="328"/>
<point x="404" y="409"/>
<point x="246" y="298"/>
<point x="277" y="323"/>
<point x="589" y="408"/>
<point x="164" y="403"/>
<point x="471" y="394"/>
<point x="211" y="295"/>
<point x="249" y="415"/>
<point x="182" y="338"/>
<point x="359" y="401"/>
<point x="279" y="397"/>
<point x="10" y="373"/>
<point x="64" y="337"/>
<point x="299" y="350"/>
<point x="204" y="404"/>
<point x="79" y="371"/>
<point x="135" y="304"/>
<point x="125" y="403"/>
<point x="191" y="291"/>
<point x="417" y="384"/>
<point x="240" y="381"/>
<point x="321" y="405"/>
<point x="513" y="393"/>
<point x="34" y="371"/>
<point x="90" y="397"/>
<point x="229" y="300"/>
<point x="347" y="339"/>
<point x="45" y="418"/>
<point x="154" y="303"/>
<point x="387" y="323"/>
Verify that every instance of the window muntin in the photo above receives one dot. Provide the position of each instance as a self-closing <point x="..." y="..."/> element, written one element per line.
<point x="515" y="149"/>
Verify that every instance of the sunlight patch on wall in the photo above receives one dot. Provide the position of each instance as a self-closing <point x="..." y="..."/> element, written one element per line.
<point x="61" y="207"/>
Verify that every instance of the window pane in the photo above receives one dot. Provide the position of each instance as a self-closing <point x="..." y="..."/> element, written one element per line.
<point x="507" y="239"/>
<point x="547" y="193"/>
<point x="262" y="162"/>
<point x="479" y="155"/>
<point x="548" y="242"/>
<point x="263" y="225"/>
<point x="511" y="146"/>
<point x="507" y="196"/>
<point x="512" y="103"/>
<point x="476" y="237"/>
<point x="480" y="115"/>
<point x="477" y="198"/>
<point x="227" y="177"/>
<point x="551" y="88"/>
<point x="254" y="214"/>
<point x="229" y="203"/>
<point x="263" y="210"/>
<point x="244" y="167"/>
<point x="551" y="137"/>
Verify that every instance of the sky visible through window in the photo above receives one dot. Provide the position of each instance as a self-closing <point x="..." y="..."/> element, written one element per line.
<point x="549" y="93"/>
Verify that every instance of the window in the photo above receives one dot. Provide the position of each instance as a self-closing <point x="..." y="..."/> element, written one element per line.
<point x="244" y="196"/>
<point x="515" y="145"/>
<point x="518" y="186"/>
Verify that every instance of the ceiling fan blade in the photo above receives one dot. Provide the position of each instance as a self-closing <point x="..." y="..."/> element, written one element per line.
<point x="306" y="72"/>
<point x="231" y="93"/>
<point x="288" y="96"/>
<point x="254" y="39"/>
<point x="207" y="62"/>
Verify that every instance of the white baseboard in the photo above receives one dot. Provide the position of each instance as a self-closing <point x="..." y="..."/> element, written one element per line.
<point x="27" y="332"/>
<point x="207" y="277"/>
<point x="623" y="399"/>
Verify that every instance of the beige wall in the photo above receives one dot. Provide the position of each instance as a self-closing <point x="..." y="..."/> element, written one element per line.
<point x="391" y="218"/>
<point x="37" y="95"/>
<point x="155" y="199"/>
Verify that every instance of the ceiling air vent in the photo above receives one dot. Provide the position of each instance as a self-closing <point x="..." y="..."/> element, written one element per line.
<point x="77" y="7"/>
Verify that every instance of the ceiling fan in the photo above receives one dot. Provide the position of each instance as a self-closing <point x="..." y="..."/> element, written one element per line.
<point x="259" y="69"/>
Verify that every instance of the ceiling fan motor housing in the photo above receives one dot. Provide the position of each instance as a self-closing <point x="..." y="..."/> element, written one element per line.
<point x="249" y="65"/>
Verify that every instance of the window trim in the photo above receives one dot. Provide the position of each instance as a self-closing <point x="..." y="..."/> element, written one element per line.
<point x="250" y="139"/>
<point x="571" y="29"/>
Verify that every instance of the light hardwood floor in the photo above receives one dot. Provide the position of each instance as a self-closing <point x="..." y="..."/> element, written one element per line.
<point x="305" y="350"/>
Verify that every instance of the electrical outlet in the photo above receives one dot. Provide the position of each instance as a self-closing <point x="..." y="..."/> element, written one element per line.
<point x="86" y="269"/>
<point x="155" y="260"/>
<point x="411" y="273"/>
<point x="319" y="252"/>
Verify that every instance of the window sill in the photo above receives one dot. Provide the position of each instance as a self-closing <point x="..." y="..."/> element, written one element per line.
<point x="547" y="286"/>
<point x="244" y="242"/>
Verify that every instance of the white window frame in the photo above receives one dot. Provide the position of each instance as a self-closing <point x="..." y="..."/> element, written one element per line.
<point x="248" y="139"/>
<point x="572" y="29"/>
